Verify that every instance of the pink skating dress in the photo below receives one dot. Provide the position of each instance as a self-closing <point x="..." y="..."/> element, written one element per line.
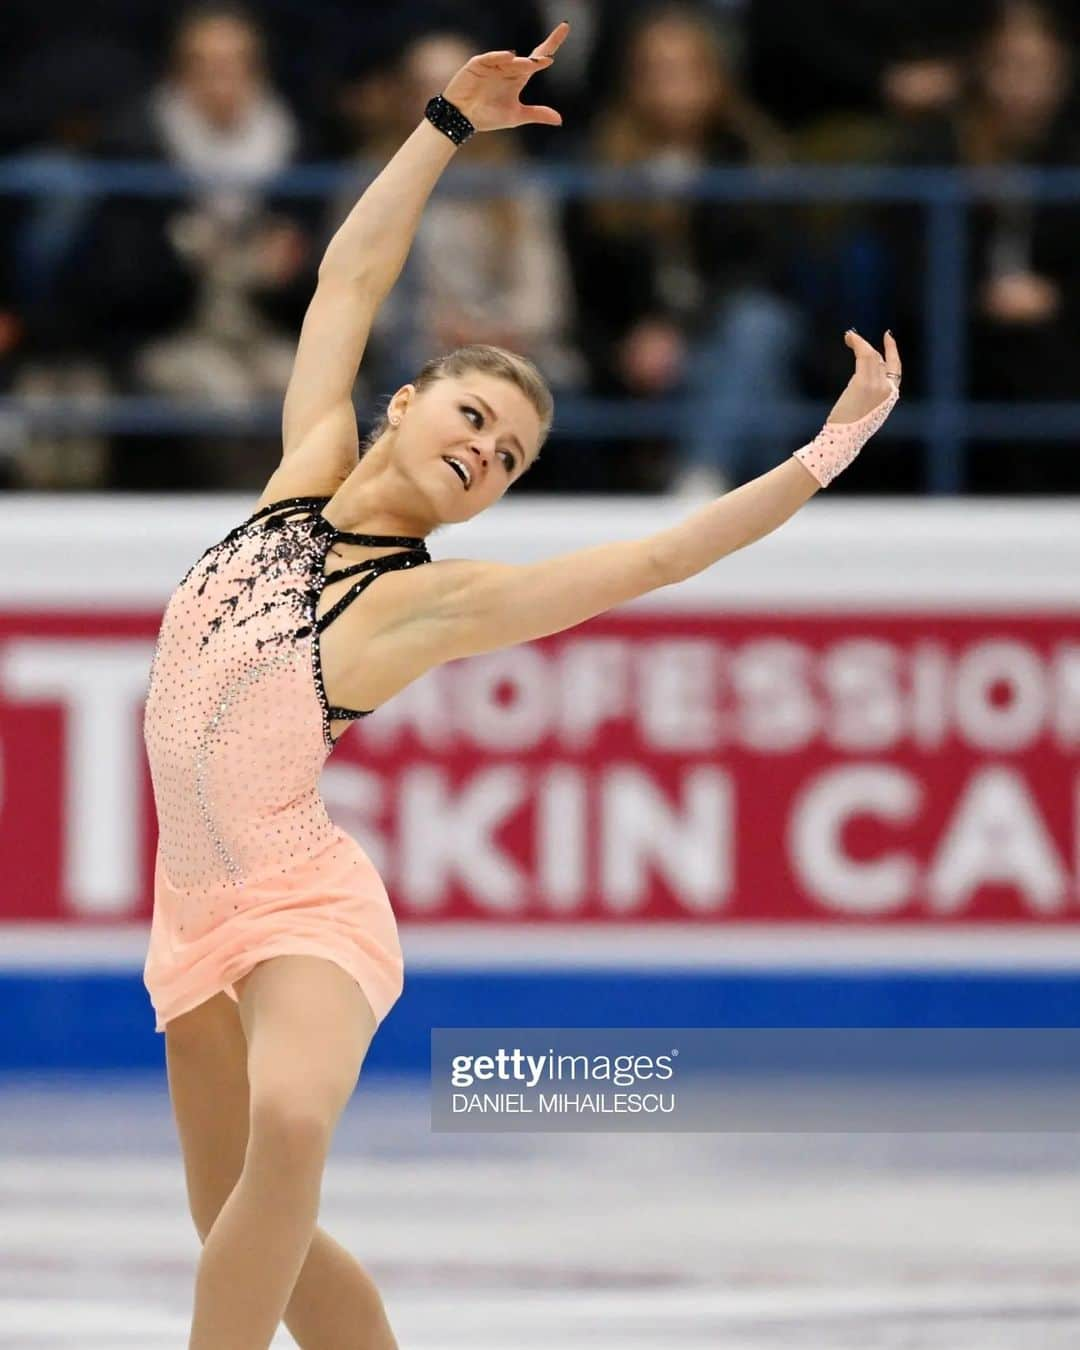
<point x="249" y="864"/>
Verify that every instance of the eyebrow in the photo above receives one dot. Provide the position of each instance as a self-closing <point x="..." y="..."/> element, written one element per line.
<point x="488" y="409"/>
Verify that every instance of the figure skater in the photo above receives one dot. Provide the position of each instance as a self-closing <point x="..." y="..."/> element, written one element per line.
<point x="273" y="952"/>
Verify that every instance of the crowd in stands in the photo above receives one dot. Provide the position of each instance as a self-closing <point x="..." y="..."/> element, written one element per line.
<point x="718" y="309"/>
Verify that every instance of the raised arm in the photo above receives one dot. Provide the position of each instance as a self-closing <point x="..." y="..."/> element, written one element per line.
<point x="477" y="606"/>
<point x="366" y="255"/>
<point x="360" y="266"/>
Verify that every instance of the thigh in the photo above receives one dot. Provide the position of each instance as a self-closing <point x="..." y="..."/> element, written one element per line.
<point x="308" y="1027"/>
<point x="206" y="1059"/>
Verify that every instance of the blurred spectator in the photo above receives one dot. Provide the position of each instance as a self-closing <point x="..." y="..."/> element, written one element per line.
<point x="494" y="25"/>
<point x="11" y="335"/>
<point x="1025" y="270"/>
<point x="216" y="115"/>
<point x="480" y="270"/>
<point x="851" y="81"/>
<point x="67" y="62"/>
<point x="57" y="106"/>
<point x="367" y="109"/>
<point x="200" y="297"/>
<point x="678" y="298"/>
<point x="814" y="58"/>
<point x="303" y="37"/>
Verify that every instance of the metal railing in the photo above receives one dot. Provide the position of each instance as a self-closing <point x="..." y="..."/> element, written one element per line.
<point x="943" y="419"/>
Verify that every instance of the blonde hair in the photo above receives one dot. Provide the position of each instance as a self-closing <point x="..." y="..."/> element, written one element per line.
<point x="489" y="360"/>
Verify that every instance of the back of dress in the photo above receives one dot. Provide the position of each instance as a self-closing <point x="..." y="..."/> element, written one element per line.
<point x="233" y="725"/>
<point x="237" y="728"/>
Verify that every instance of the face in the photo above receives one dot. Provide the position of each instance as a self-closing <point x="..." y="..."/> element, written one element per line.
<point x="1025" y="72"/>
<point x="674" y="80"/>
<point x="429" y="64"/>
<point x="219" y="69"/>
<point x="482" y="421"/>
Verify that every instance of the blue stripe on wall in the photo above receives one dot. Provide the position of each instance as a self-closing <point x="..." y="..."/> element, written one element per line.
<point x="70" y="1020"/>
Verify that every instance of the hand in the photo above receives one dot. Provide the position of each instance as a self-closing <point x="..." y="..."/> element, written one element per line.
<point x="921" y="86"/>
<point x="487" y="87"/>
<point x="279" y="253"/>
<point x="1021" y="298"/>
<point x="875" y="378"/>
<point x="650" y="357"/>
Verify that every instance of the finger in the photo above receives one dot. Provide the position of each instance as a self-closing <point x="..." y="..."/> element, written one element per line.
<point x="865" y="353"/>
<point x="493" y="60"/>
<point x="525" y="67"/>
<point x="892" y="356"/>
<point x="553" y="41"/>
<point x="862" y="348"/>
<point x="529" y="65"/>
<point x="537" y="112"/>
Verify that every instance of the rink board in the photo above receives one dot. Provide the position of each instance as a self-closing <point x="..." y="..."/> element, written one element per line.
<point x="70" y="1010"/>
<point x="831" y="781"/>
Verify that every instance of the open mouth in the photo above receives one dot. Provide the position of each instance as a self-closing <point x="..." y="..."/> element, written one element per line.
<point x="460" y="468"/>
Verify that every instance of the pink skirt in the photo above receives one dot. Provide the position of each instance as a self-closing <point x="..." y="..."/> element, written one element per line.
<point x="332" y="904"/>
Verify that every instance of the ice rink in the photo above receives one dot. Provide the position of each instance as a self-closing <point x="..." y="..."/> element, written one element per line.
<point x="581" y="1242"/>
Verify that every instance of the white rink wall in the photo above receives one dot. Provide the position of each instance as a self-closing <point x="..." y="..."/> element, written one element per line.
<point x="937" y="553"/>
<point x="833" y="777"/>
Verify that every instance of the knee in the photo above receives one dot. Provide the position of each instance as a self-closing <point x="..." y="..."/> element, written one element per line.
<point x="204" y="1212"/>
<point x="207" y="1191"/>
<point x="293" y="1128"/>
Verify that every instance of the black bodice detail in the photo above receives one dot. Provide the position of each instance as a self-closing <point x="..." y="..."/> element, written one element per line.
<point x="277" y="513"/>
<point x="274" y="517"/>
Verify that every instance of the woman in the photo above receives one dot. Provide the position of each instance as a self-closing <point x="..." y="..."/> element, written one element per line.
<point x="1023" y="278"/>
<point x="264" y="656"/>
<point x="680" y="299"/>
<point x="480" y="270"/>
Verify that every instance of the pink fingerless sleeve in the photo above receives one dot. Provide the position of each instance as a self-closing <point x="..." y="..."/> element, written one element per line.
<point x="837" y="443"/>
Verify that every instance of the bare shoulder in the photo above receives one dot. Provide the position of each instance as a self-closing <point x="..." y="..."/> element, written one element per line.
<point x="435" y="593"/>
<point x="466" y="607"/>
<point x="406" y="623"/>
<point x="417" y="618"/>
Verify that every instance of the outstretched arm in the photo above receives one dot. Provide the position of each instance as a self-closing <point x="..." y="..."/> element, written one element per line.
<point x="366" y="255"/>
<point x="477" y="606"/>
<point x="762" y="505"/>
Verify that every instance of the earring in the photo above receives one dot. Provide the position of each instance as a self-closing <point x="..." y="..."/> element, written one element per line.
<point x="394" y="421"/>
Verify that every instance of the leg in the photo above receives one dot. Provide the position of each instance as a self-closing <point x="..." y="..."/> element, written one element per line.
<point x="746" y="364"/>
<point x="308" y="1027"/>
<point x="334" y="1304"/>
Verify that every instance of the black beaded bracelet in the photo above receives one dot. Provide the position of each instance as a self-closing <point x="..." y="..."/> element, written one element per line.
<point x="442" y="114"/>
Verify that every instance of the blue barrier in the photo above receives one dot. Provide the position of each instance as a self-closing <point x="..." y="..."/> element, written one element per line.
<point x="75" y="1020"/>
<point x="945" y="421"/>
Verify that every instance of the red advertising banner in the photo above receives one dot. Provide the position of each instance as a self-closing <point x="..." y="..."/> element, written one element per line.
<point x="715" y="767"/>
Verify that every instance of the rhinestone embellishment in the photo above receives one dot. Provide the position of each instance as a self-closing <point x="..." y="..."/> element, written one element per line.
<point x="252" y="673"/>
<point x="233" y="737"/>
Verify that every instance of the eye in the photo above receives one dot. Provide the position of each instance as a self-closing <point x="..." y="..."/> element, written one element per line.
<point x="510" y="461"/>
